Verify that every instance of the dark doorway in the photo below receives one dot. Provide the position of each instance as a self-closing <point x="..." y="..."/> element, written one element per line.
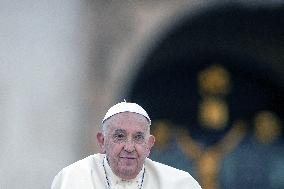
<point x="209" y="85"/>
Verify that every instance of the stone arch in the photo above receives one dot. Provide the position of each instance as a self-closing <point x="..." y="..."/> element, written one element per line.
<point x="252" y="55"/>
<point x="248" y="42"/>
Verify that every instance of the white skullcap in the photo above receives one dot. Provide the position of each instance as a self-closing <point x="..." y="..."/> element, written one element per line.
<point x="126" y="107"/>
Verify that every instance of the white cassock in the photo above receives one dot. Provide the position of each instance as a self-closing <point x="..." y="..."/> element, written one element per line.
<point x="89" y="173"/>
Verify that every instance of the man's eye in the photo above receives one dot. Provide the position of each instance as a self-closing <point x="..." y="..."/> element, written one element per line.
<point x="119" y="137"/>
<point x="139" y="138"/>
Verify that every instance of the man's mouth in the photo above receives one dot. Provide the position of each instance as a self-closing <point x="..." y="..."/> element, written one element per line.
<point x="128" y="157"/>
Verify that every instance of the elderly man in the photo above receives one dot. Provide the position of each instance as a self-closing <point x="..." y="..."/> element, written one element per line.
<point x="125" y="143"/>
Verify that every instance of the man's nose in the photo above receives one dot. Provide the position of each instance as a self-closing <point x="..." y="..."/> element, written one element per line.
<point x="129" y="145"/>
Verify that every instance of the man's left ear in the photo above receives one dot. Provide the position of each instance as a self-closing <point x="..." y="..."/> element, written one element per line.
<point x="151" y="142"/>
<point x="101" y="142"/>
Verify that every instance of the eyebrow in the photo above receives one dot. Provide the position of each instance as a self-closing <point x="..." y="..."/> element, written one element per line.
<point x="140" y="133"/>
<point x="124" y="131"/>
<point x="119" y="131"/>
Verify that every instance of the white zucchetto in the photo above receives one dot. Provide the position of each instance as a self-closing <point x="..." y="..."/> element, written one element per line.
<point x="126" y="107"/>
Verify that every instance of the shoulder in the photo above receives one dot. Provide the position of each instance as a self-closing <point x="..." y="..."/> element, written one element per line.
<point x="78" y="171"/>
<point x="170" y="174"/>
<point x="165" y="168"/>
<point x="85" y="164"/>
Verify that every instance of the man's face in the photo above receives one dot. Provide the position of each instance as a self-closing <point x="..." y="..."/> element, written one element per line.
<point x="126" y="142"/>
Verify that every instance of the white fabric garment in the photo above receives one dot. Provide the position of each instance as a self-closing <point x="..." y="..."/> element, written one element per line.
<point x="89" y="173"/>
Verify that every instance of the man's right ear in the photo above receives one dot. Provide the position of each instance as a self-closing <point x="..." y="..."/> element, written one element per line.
<point x="101" y="142"/>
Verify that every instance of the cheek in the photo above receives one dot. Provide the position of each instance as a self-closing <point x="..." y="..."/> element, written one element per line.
<point x="113" y="149"/>
<point x="143" y="150"/>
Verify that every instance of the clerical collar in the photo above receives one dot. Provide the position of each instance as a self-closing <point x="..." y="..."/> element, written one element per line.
<point x="113" y="180"/>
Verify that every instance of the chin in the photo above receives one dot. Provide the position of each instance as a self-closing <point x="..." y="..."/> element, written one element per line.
<point x="128" y="173"/>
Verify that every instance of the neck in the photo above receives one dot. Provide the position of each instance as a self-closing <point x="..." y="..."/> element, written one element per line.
<point x="123" y="174"/>
<point x="112" y="177"/>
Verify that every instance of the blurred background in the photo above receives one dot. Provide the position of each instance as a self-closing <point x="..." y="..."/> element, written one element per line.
<point x="210" y="73"/>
